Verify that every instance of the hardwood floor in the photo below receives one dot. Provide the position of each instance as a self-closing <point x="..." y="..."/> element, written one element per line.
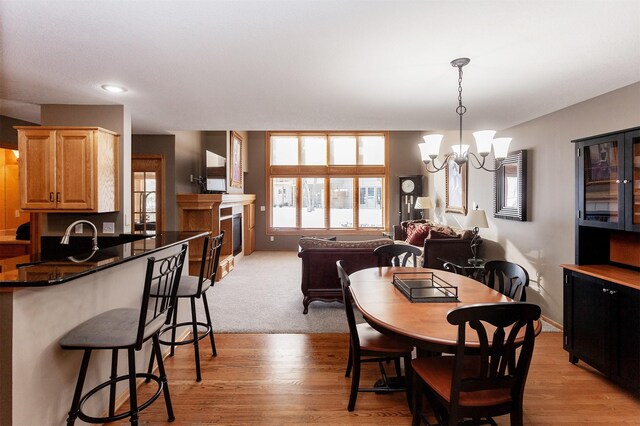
<point x="273" y="379"/>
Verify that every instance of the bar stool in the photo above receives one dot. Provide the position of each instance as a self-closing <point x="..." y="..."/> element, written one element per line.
<point x="194" y="288"/>
<point x="128" y="328"/>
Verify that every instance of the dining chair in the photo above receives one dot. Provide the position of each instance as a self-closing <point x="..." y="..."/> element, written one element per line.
<point x="508" y="278"/>
<point x="485" y="381"/>
<point x="193" y="288"/>
<point x="368" y="345"/>
<point x="128" y="328"/>
<point x="397" y="254"/>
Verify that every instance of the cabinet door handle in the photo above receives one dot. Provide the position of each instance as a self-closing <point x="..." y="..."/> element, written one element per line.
<point x="617" y="180"/>
<point x="57" y="197"/>
<point x="51" y="197"/>
<point x="612" y="292"/>
<point x="625" y="181"/>
<point x="605" y="290"/>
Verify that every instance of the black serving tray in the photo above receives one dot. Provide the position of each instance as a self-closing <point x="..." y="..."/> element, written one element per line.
<point x="425" y="287"/>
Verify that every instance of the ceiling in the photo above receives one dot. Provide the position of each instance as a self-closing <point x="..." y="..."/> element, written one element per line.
<point x="312" y="64"/>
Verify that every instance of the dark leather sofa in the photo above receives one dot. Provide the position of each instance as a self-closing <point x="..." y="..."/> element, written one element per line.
<point x="432" y="249"/>
<point x="319" y="274"/>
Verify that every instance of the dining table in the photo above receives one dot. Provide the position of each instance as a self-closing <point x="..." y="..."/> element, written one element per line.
<point x="422" y="323"/>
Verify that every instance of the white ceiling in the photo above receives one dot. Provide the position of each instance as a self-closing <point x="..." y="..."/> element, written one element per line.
<point x="315" y="64"/>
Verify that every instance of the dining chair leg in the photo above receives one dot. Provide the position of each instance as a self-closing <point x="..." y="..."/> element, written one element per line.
<point x="408" y="375"/>
<point x="214" y="352"/>
<point x="349" y="361"/>
<point x="355" y="384"/>
<point x="133" y="399"/>
<point x="75" y="404"/>
<point x="163" y="378"/>
<point x="396" y="362"/>
<point x="196" y="346"/>
<point x="417" y="400"/>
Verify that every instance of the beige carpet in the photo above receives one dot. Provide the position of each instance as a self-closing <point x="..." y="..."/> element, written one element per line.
<point x="262" y="295"/>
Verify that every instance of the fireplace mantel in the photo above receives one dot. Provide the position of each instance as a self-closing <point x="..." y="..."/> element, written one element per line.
<point x="214" y="213"/>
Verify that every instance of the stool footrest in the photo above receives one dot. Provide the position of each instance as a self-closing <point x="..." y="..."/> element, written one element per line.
<point x="90" y="419"/>
<point x="207" y="331"/>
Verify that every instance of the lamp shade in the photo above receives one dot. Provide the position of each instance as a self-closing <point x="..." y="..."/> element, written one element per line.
<point x="430" y="148"/>
<point x="460" y="150"/>
<point x="483" y="140"/>
<point x="501" y="147"/>
<point x="423" y="203"/>
<point x="476" y="219"/>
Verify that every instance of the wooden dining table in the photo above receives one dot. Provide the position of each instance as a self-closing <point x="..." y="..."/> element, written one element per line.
<point x="422" y="324"/>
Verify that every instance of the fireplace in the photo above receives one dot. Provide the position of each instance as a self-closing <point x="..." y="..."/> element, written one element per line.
<point x="236" y="226"/>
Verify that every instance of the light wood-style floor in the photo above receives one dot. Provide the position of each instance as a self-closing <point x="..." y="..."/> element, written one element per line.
<point x="274" y="379"/>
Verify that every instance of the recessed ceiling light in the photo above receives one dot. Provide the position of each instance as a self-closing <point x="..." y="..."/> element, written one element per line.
<point x="113" y="88"/>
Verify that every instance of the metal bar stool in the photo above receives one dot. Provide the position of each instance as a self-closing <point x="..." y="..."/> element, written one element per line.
<point x="128" y="328"/>
<point x="194" y="288"/>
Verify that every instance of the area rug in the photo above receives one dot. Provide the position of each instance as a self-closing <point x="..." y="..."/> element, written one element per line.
<point x="262" y="295"/>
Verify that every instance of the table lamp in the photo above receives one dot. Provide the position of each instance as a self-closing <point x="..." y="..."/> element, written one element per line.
<point x="476" y="219"/>
<point x="423" y="203"/>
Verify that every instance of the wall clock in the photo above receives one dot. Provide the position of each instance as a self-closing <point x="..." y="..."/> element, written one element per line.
<point x="410" y="189"/>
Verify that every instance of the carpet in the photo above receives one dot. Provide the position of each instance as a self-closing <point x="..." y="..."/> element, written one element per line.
<point x="262" y="295"/>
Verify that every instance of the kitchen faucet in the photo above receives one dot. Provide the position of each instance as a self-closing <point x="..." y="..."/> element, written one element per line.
<point x="67" y="233"/>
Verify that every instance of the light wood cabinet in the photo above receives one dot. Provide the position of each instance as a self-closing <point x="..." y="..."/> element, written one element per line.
<point x="68" y="169"/>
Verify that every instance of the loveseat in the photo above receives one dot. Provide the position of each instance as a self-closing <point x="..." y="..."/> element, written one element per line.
<point x="436" y="241"/>
<point x="319" y="274"/>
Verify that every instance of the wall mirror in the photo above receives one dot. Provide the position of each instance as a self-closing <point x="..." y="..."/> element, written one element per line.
<point x="510" y="187"/>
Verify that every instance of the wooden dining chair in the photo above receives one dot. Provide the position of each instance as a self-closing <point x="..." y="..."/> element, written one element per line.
<point x="483" y="382"/>
<point x="368" y="345"/>
<point x="397" y="254"/>
<point x="508" y="278"/>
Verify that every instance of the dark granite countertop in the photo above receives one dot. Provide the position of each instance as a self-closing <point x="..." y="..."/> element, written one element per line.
<point x="56" y="267"/>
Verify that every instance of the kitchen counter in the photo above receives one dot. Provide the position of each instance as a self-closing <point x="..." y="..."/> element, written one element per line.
<point x="44" y="296"/>
<point x="40" y="270"/>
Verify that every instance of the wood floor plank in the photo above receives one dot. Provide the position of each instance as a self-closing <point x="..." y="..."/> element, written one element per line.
<point x="287" y="379"/>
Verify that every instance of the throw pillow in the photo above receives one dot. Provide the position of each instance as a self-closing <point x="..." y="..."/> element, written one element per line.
<point x="446" y="230"/>
<point x="416" y="234"/>
<point x="437" y="235"/>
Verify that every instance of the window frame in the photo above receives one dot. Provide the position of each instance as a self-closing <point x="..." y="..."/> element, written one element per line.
<point x="298" y="172"/>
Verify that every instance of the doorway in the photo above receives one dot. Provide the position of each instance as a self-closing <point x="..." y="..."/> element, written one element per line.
<point x="147" y="193"/>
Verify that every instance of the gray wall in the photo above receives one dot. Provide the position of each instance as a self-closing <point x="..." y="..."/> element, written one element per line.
<point x="188" y="159"/>
<point x="9" y="135"/>
<point x="165" y="145"/>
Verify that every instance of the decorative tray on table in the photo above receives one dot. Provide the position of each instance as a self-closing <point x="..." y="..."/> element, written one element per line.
<point x="425" y="287"/>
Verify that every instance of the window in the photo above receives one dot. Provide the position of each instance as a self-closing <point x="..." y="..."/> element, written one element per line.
<point x="327" y="182"/>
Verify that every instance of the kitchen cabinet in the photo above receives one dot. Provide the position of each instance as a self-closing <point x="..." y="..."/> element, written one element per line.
<point x="68" y="169"/>
<point x="602" y="321"/>
<point x="608" y="179"/>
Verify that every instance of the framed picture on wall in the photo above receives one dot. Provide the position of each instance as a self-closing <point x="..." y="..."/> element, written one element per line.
<point x="456" y="188"/>
<point x="236" y="160"/>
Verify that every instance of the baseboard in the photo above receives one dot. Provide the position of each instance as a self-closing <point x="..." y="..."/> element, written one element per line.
<point x="552" y="322"/>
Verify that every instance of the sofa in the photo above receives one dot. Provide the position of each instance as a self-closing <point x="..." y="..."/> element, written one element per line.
<point x="320" y="279"/>
<point x="436" y="241"/>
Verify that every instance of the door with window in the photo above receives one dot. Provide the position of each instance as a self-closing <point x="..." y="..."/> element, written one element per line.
<point x="147" y="191"/>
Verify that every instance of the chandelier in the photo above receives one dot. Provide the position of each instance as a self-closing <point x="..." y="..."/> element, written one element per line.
<point x="430" y="148"/>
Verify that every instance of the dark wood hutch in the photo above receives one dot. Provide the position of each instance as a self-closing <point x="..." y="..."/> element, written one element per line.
<point x="602" y="290"/>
